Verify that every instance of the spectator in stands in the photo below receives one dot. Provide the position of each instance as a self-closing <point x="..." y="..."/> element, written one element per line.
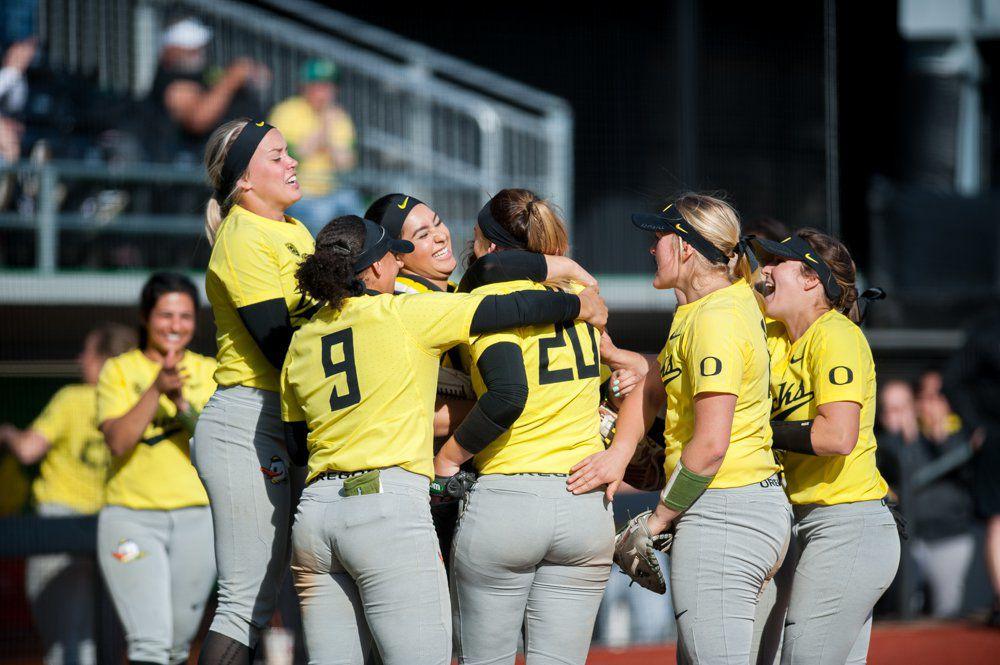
<point x="195" y="98"/>
<point x="972" y="385"/>
<point x="321" y="136"/>
<point x="929" y="459"/>
<point x="13" y="94"/>
<point x="74" y="464"/>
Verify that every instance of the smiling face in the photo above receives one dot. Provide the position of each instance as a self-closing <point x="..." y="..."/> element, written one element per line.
<point x="170" y="324"/>
<point x="432" y="255"/>
<point x="270" y="176"/>
<point x="788" y="288"/>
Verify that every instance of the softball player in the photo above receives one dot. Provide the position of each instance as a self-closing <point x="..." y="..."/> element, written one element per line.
<point x="823" y="412"/>
<point x="731" y="518"/>
<point x="526" y="549"/>
<point x="238" y="448"/>
<point x="74" y="466"/>
<point x="358" y="389"/>
<point x="154" y="535"/>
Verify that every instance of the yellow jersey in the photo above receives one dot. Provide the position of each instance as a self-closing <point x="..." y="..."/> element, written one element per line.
<point x="831" y="362"/>
<point x="364" y="379"/>
<point x="75" y="468"/>
<point x="456" y="357"/>
<point x="254" y="260"/>
<point x="297" y="121"/>
<point x="559" y="425"/>
<point x="157" y="473"/>
<point x="716" y="344"/>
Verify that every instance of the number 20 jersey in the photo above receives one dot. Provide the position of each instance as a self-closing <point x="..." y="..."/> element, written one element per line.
<point x="831" y="362"/>
<point x="364" y="379"/>
<point x="559" y="425"/>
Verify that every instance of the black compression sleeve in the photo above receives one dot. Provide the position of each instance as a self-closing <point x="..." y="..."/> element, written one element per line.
<point x="502" y="369"/>
<point x="504" y="266"/>
<point x="295" y="442"/>
<point x="793" y="435"/>
<point x="269" y="326"/>
<point x="523" y="308"/>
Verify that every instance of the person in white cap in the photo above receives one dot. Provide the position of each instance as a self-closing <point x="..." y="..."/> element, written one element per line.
<point x="193" y="98"/>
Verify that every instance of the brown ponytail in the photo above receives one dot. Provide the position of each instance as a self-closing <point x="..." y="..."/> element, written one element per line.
<point x="532" y="220"/>
<point x="836" y="256"/>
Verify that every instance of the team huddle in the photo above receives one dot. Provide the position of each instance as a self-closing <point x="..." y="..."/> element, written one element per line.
<point x="435" y="462"/>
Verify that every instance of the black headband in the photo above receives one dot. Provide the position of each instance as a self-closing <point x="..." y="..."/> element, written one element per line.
<point x="494" y="232"/>
<point x="397" y="209"/>
<point x="239" y="155"/>
<point x="798" y="249"/>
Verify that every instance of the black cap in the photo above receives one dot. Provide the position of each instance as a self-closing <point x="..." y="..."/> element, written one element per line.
<point x="797" y="249"/>
<point x="670" y="220"/>
<point x="377" y="244"/>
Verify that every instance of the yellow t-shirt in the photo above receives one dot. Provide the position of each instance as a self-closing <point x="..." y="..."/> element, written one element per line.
<point x="831" y="362"/>
<point x="254" y="259"/>
<point x="716" y="344"/>
<point x="297" y="121"/>
<point x="75" y="468"/>
<point x="364" y="379"/>
<point x="157" y="473"/>
<point x="560" y="425"/>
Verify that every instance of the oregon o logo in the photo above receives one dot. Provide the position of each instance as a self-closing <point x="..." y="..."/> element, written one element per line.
<point x="710" y="366"/>
<point x="841" y="376"/>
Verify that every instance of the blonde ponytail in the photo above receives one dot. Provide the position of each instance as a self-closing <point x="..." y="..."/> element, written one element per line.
<point x="219" y="143"/>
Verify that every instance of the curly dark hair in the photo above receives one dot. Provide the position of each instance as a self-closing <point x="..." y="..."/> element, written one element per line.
<point x="327" y="275"/>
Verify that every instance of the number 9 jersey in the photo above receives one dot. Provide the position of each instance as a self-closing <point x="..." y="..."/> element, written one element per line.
<point x="831" y="362"/>
<point x="364" y="379"/>
<point x="560" y="424"/>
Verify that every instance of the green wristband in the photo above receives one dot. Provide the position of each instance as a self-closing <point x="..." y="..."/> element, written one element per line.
<point x="683" y="488"/>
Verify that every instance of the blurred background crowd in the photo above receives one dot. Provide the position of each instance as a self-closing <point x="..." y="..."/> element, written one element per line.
<point x="877" y="123"/>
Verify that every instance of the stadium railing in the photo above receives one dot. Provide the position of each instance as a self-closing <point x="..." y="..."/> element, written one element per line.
<point x="427" y="123"/>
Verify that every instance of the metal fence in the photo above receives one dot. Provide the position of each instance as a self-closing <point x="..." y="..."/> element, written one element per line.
<point x="428" y="124"/>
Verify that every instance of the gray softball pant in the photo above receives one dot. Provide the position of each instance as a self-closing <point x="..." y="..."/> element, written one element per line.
<point x="848" y="556"/>
<point x="726" y="548"/>
<point x="159" y="567"/>
<point x="63" y="590"/>
<point x="368" y="568"/>
<point x="239" y="451"/>
<point x="527" y="551"/>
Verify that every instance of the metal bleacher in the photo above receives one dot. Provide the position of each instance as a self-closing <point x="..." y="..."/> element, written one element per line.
<point x="427" y="123"/>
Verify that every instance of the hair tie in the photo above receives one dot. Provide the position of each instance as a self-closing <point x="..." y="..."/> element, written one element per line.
<point x="865" y="300"/>
<point x="743" y="248"/>
<point x="337" y="246"/>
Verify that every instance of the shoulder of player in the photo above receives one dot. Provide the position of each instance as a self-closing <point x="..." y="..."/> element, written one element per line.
<point x="834" y="327"/>
<point x="72" y="393"/>
<point x="505" y="288"/>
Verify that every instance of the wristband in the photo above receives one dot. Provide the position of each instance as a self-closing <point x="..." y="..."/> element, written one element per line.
<point x="793" y="435"/>
<point x="683" y="488"/>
